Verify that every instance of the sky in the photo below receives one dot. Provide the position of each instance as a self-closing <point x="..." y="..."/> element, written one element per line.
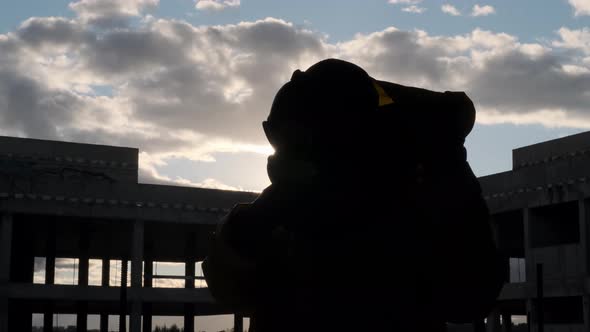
<point x="189" y="82"/>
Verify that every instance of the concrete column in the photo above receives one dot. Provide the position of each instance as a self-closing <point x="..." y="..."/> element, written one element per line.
<point x="584" y="214"/>
<point x="83" y="268"/>
<point x="123" y="298"/>
<point x="506" y="322"/>
<point x="137" y="253"/>
<point x="104" y="282"/>
<point x="147" y="283"/>
<point x="493" y="321"/>
<point x="148" y="273"/>
<point x="189" y="273"/>
<point x="105" y="272"/>
<point x="48" y="318"/>
<point x="5" y="253"/>
<point x="135" y="316"/>
<point x="83" y="265"/>
<point x="82" y="317"/>
<point x="586" y="302"/>
<point x="5" y="247"/>
<point x="238" y="323"/>
<point x="189" y="317"/>
<point x="189" y="262"/>
<point x="3" y="314"/>
<point x="104" y="322"/>
<point x="147" y="317"/>
<point x="136" y="275"/>
<point x="50" y="255"/>
<point x="189" y="281"/>
<point x="479" y="326"/>
<point x="531" y="314"/>
<point x="528" y="244"/>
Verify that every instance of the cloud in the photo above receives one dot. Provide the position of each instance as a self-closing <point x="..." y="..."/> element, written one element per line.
<point x="482" y="10"/>
<point x="510" y="82"/>
<point x="581" y="7"/>
<point x="414" y="9"/>
<point x="176" y="90"/>
<point x="574" y="39"/>
<point x="110" y="12"/>
<point x="450" y="9"/>
<point x="216" y="4"/>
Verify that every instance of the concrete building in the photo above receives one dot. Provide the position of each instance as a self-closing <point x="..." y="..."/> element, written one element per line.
<point x="540" y="213"/>
<point x="83" y="201"/>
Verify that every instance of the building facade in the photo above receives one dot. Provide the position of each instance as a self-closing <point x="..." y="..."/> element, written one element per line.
<point x="540" y="216"/>
<point x="84" y="202"/>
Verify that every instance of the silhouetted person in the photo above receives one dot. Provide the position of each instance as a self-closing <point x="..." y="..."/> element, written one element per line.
<point x="374" y="220"/>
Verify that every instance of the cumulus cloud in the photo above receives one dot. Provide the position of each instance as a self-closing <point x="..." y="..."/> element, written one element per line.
<point x="182" y="91"/>
<point x="216" y="4"/>
<point x="482" y="10"/>
<point x="450" y="9"/>
<point x="581" y="7"/>
<point x="414" y="9"/>
<point x="110" y="12"/>
<point x="574" y="39"/>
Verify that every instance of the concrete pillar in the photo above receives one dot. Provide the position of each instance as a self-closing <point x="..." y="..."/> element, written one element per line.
<point x="48" y="318"/>
<point x="137" y="253"/>
<point x="531" y="314"/>
<point x="147" y="283"/>
<point x="123" y="298"/>
<point x="135" y="317"/>
<point x="238" y="323"/>
<point x="137" y="246"/>
<point x="189" y="262"/>
<point x="4" y="314"/>
<point x="479" y="326"/>
<point x="493" y="321"/>
<point x="104" y="282"/>
<point x="506" y="322"/>
<point x="50" y="255"/>
<point x="82" y="317"/>
<point x="5" y="253"/>
<point x="586" y="303"/>
<point x="189" y="317"/>
<point x="584" y="214"/>
<point x="189" y="281"/>
<point x="83" y="269"/>
<point x="528" y="244"/>
<point x="104" y="322"/>
<point x="5" y="247"/>
<point x="105" y="272"/>
<point x="147" y="317"/>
